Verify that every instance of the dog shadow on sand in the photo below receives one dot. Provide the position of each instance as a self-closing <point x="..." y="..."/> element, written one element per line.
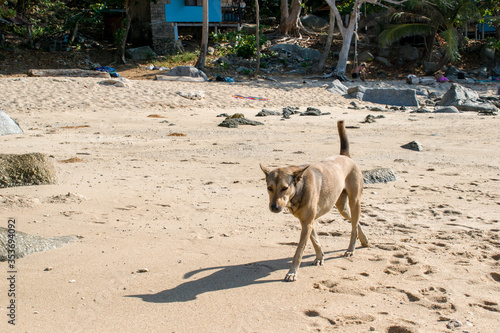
<point x="226" y="277"/>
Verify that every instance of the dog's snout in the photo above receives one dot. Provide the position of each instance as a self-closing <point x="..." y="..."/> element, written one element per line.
<point x="275" y="208"/>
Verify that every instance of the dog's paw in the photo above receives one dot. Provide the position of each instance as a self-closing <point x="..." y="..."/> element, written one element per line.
<point x="348" y="253"/>
<point x="318" y="262"/>
<point x="290" y="277"/>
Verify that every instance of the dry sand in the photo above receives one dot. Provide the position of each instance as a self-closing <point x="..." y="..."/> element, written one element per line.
<point x="193" y="211"/>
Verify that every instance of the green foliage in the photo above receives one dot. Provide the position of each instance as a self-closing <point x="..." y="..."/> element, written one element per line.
<point x="120" y="34"/>
<point x="242" y="44"/>
<point x="5" y="11"/>
<point x="494" y="44"/>
<point x="186" y="58"/>
<point x="426" y="18"/>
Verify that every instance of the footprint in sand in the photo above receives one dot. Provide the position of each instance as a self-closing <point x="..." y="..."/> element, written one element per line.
<point x="487" y="305"/>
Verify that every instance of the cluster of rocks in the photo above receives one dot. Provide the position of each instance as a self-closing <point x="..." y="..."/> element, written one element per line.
<point x="292" y="110"/>
<point x="237" y="119"/>
<point x="457" y="99"/>
<point x="291" y="58"/>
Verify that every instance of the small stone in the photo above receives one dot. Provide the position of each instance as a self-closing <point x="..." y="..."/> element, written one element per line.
<point x="453" y="324"/>
<point x="414" y="145"/>
<point x="142" y="270"/>
<point x="72" y="281"/>
<point x="48" y="269"/>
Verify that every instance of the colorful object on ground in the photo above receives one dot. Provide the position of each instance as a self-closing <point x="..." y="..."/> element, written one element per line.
<point x="251" y="98"/>
<point x="108" y="69"/>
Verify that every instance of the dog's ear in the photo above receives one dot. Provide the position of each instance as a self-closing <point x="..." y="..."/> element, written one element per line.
<point x="297" y="175"/>
<point x="265" y="169"/>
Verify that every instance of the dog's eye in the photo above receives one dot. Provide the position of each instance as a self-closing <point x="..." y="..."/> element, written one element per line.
<point x="270" y="189"/>
<point x="284" y="188"/>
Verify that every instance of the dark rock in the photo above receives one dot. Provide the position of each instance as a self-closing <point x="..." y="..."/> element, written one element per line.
<point x="314" y="112"/>
<point x="8" y="125"/>
<point x="383" y="175"/>
<point x="384" y="61"/>
<point x="447" y="109"/>
<point x="313" y="21"/>
<point x="388" y="96"/>
<point x="409" y="53"/>
<point x="430" y="67"/>
<point x="141" y="53"/>
<point x="371" y="118"/>
<point x="234" y="122"/>
<point x="26" y="169"/>
<point x="365" y="56"/>
<point x="265" y="113"/>
<point x="487" y="55"/>
<point x="187" y="71"/>
<point x="465" y="99"/>
<point x="414" y="145"/>
<point x="290" y="110"/>
<point x="305" y="53"/>
<point x="495" y="71"/>
<point x="452" y="72"/>
<point x="26" y="244"/>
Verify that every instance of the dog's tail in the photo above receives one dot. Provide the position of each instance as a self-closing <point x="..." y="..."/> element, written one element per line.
<point x="344" y="143"/>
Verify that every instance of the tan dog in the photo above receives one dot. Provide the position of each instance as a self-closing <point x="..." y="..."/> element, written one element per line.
<point x="310" y="191"/>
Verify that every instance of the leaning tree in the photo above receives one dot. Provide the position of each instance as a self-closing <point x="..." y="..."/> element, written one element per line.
<point x="347" y="31"/>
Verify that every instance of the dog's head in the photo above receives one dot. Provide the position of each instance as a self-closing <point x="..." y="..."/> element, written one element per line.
<point x="282" y="185"/>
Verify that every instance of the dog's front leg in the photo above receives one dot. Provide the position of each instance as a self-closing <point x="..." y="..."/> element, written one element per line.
<point x="307" y="228"/>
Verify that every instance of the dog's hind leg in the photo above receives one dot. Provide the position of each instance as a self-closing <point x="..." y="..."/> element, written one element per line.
<point x="319" y="261"/>
<point x="347" y="212"/>
<point x="342" y="205"/>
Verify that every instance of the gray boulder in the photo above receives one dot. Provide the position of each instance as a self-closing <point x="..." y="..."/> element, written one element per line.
<point x="452" y="72"/>
<point x="388" y="96"/>
<point x="8" y="125"/>
<point x="465" y="99"/>
<point x="384" y="61"/>
<point x="409" y="53"/>
<point x="189" y="71"/>
<point x="481" y="73"/>
<point x="305" y="53"/>
<point x="447" y="109"/>
<point x="365" y="56"/>
<point x="430" y="67"/>
<point x="141" y="53"/>
<point x="336" y="87"/>
<point x="313" y="21"/>
<point x="487" y="55"/>
<point x="495" y="71"/>
<point x="26" y="244"/>
<point x="383" y="175"/>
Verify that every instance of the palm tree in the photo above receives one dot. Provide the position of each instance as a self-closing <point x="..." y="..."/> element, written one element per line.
<point x="433" y="19"/>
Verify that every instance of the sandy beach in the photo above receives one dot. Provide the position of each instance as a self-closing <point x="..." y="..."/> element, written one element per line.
<point x="175" y="234"/>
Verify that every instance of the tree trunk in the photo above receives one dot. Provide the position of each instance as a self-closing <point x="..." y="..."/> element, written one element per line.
<point x="257" y="35"/>
<point x="284" y="10"/>
<point x="346" y="45"/>
<point x="21" y="7"/>
<point x="129" y="4"/>
<point x="321" y="63"/>
<point x="200" y="64"/>
<point x="290" y="25"/>
<point x="429" y="46"/>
